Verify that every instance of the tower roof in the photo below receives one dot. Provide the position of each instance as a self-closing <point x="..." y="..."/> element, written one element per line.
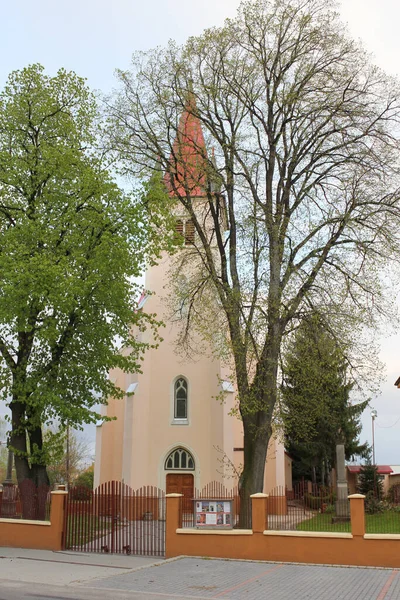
<point x="188" y="158"/>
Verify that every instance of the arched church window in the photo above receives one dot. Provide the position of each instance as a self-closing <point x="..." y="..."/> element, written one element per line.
<point x="180" y="460"/>
<point x="180" y="398"/>
<point x="189" y="233"/>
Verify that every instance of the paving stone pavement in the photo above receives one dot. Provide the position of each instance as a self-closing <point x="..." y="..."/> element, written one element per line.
<point x="235" y="580"/>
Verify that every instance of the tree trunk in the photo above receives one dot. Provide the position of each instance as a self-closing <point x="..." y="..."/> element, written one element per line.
<point x="323" y="472"/>
<point x="257" y="411"/>
<point x="314" y="476"/>
<point x="252" y="477"/>
<point x="39" y="475"/>
<point x="33" y="481"/>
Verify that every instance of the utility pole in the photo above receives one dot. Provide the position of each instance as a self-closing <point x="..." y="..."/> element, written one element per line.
<point x="67" y="457"/>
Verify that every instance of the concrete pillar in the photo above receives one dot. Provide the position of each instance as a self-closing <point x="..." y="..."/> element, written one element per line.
<point x="173" y="521"/>
<point x="357" y="514"/>
<point x="259" y="512"/>
<point x="57" y="518"/>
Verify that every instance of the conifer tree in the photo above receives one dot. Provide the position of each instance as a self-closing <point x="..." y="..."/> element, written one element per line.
<point x="316" y="407"/>
<point x="370" y="483"/>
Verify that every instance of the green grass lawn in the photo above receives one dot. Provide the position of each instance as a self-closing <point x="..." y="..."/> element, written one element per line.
<point x="385" y="522"/>
<point x="82" y="529"/>
<point x="322" y="522"/>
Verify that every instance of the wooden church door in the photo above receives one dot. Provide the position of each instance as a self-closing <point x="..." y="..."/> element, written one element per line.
<point x="182" y="483"/>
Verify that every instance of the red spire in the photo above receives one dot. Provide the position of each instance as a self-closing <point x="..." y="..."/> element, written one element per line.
<point x="188" y="157"/>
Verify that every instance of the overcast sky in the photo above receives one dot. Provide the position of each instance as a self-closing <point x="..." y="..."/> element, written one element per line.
<point x="93" y="37"/>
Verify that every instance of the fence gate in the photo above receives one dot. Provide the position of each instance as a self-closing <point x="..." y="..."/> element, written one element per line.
<point x="114" y="518"/>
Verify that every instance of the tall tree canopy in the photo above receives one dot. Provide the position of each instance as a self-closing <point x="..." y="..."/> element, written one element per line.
<point x="316" y="409"/>
<point x="71" y="243"/>
<point x="301" y="153"/>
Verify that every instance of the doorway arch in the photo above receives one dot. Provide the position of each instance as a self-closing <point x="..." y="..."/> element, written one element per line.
<point x="179" y="467"/>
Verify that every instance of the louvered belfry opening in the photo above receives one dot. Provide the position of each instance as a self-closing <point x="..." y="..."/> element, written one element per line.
<point x="179" y="227"/>
<point x="189" y="233"/>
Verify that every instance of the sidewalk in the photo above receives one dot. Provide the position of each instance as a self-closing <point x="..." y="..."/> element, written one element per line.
<point x="65" y="568"/>
<point x="41" y="575"/>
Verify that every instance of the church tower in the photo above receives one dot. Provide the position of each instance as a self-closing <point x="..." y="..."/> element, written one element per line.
<point x="174" y="432"/>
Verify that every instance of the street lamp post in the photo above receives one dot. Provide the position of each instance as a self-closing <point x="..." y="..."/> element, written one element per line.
<point x="67" y="461"/>
<point x="374" y="414"/>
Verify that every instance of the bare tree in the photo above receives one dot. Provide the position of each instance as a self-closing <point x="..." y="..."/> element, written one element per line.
<point x="299" y="169"/>
<point x="69" y="455"/>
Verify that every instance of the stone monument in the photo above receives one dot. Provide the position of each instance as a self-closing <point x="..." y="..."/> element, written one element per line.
<point x="342" y="505"/>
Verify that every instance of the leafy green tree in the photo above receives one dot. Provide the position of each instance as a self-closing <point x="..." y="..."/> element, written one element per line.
<point x="300" y="172"/>
<point x="71" y="245"/>
<point x="316" y="408"/>
<point x="85" y="478"/>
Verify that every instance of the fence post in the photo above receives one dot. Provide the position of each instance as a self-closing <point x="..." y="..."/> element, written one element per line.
<point x="259" y="504"/>
<point x="357" y="514"/>
<point x="57" y="521"/>
<point x="173" y="521"/>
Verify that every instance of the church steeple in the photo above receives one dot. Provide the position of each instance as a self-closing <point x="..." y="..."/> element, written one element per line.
<point x="188" y="160"/>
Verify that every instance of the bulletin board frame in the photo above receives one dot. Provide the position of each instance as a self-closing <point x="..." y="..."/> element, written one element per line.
<point x="213" y="513"/>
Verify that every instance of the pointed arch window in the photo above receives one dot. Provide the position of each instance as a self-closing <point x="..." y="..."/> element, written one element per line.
<point x="185" y="229"/>
<point x="181" y="398"/>
<point x="179" y="460"/>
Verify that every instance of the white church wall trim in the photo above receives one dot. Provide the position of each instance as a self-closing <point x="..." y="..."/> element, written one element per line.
<point x="227" y="386"/>
<point x="131" y="388"/>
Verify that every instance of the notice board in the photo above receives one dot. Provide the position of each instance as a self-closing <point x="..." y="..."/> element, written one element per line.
<point x="214" y="514"/>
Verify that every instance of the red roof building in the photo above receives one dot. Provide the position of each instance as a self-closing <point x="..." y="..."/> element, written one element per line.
<point x="354" y="470"/>
<point x="382" y="469"/>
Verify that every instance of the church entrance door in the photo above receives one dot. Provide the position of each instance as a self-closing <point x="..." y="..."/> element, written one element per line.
<point x="182" y="483"/>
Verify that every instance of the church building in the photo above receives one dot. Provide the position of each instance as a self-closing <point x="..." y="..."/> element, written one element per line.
<point x="174" y="432"/>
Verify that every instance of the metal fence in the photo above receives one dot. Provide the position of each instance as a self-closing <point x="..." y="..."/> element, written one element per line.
<point x="117" y="519"/>
<point x="307" y="508"/>
<point x="382" y="515"/>
<point x="311" y="507"/>
<point x="25" y="501"/>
